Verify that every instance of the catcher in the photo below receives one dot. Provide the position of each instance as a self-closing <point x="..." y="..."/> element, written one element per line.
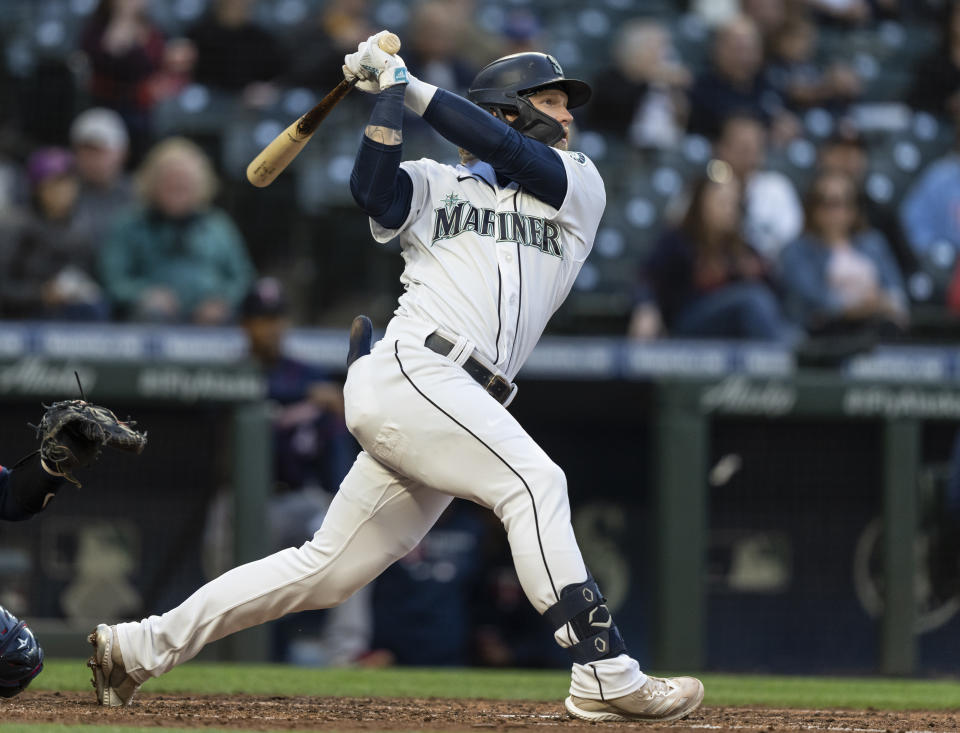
<point x="72" y="434"/>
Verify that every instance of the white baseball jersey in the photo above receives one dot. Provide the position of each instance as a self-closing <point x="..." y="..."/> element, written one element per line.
<point x="493" y="263"/>
<point x="490" y="264"/>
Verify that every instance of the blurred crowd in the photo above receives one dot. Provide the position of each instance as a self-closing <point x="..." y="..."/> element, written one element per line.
<point x="103" y="217"/>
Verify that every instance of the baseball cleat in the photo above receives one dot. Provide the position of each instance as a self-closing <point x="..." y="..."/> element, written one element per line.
<point x="113" y="685"/>
<point x="659" y="700"/>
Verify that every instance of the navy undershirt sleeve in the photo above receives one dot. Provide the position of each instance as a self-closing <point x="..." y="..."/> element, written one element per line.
<point x="8" y="508"/>
<point x="379" y="186"/>
<point x="24" y="489"/>
<point x="535" y="166"/>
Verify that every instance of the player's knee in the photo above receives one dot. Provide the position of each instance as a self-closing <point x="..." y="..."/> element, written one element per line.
<point x="543" y="487"/>
<point x="546" y="478"/>
<point x="335" y="588"/>
<point x="549" y="487"/>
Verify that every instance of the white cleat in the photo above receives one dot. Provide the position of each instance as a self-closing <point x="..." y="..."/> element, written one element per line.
<point x="660" y="700"/>
<point x="110" y="679"/>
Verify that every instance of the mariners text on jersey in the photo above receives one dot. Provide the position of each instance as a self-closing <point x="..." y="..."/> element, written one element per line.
<point x="456" y="217"/>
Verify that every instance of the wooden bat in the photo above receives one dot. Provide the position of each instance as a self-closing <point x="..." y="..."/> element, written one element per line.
<point x="287" y="145"/>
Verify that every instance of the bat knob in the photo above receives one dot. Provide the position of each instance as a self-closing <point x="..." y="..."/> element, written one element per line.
<point x="390" y="43"/>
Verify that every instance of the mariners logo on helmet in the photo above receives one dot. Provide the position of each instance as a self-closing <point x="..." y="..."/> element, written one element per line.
<point x="555" y="64"/>
<point x="21" y="658"/>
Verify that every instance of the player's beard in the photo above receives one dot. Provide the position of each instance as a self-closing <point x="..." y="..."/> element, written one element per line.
<point x="564" y="142"/>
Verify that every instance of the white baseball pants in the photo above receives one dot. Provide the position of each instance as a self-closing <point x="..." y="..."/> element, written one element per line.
<point x="429" y="433"/>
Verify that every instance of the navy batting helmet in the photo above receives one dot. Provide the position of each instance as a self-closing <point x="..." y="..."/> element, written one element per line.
<point x="21" y="658"/>
<point x="504" y="86"/>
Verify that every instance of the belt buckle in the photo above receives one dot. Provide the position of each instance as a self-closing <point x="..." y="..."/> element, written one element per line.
<point x="498" y="387"/>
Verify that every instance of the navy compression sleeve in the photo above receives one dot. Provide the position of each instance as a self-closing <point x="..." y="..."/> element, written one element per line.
<point x="528" y="162"/>
<point x="379" y="186"/>
<point x="25" y="489"/>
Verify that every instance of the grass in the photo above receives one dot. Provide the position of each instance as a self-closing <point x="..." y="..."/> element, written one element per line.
<point x="722" y="690"/>
<point x="746" y="690"/>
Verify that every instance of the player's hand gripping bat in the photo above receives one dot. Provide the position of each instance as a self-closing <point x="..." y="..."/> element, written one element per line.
<point x="287" y="145"/>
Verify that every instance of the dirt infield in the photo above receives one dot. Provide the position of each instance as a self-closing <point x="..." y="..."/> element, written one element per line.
<point x="245" y="712"/>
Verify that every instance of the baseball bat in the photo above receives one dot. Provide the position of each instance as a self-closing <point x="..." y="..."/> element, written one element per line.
<point x="286" y="146"/>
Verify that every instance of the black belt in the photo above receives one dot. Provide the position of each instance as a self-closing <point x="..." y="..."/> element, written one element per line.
<point x="495" y="385"/>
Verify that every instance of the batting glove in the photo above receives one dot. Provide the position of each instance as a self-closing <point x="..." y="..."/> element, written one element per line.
<point x="375" y="68"/>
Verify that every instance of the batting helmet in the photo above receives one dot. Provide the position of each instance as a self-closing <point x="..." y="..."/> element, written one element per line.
<point x="21" y="658"/>
<point x="504" y="86"/>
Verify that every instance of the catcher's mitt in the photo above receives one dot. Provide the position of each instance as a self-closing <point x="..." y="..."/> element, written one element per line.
<point x="72" y="432"/>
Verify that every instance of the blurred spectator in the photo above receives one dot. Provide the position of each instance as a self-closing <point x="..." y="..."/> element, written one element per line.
<point x="735" y="82"/>
<point x="840" y="276"/>
<point x="100" y="146"/>
<point x="434" y="47"/>
<point x="772" y="212"/>
<point x="642" y="96"/>
<point x="507" y="631"/>
<point x="476" y="46"/>
<point x="324" y="40"/>
<point x="311" y="444"/>
<point x="125" y="49"/>
<point x="846" y="151"/>
<point x="312" y="452"/>
<point x="953" y="291"/>
<point x="47" y="250"/>
<point x="943" y="555"/>
<point x="793" y="71"/>
<point x="702" y="279"/>
<point x="522" y="31"/>
<point x="852" y="12"/>
<point x="715" y="12"/>
<point x="769" y="16"/>
<point x="10" y="137"/>
<point x="176" y="69"/>
<point x="929" y="210"/>
<point x="424" y="604"/>
<point x="177" y="257"/>
<point x="235" y="54"/>
<point x="846" y="12"/>
<point x="936" y="79"/>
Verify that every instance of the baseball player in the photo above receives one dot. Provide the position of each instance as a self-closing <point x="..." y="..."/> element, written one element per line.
<point x="491" y="248"/>
<point x="25" y="490"/>
<point x="73" y="431"/>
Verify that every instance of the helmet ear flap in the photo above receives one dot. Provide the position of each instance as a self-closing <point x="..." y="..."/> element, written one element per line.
<point x="535" y="124"/>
